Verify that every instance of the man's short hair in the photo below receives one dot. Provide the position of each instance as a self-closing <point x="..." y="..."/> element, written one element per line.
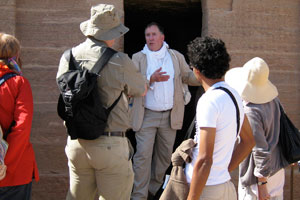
<point x="160" y="28"/>
<point x="209" y="56"/>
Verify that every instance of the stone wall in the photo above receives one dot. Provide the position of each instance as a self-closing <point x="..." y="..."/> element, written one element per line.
<point x="268" y="29"/>
<point x="8" y="16"/>
<point x="45" y="29"/>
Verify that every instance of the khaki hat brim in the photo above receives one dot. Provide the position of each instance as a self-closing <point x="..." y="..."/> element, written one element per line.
<point x="89" y="30"/>
<point x="235" y="77"/>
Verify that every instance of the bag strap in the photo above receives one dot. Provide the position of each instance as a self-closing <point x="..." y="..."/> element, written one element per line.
<point x="98" y="67"/>
<point x="105" y="57"/>
<point x="6" y="77"/>
<point x="236" y="106"/>
<point x="115" y="103"/>
<point x="190" y="130"/>
<point x="69" y="57"/>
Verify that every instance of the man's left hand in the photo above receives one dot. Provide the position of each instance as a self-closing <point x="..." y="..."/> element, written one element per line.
<point x="159" y="76"/>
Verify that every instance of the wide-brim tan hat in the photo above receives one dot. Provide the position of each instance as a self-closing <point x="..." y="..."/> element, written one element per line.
<point x="104" y="24"/>
<point x="252" y="81"/>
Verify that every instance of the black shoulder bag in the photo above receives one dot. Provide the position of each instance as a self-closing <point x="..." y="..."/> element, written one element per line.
<point x="289" y="138"/>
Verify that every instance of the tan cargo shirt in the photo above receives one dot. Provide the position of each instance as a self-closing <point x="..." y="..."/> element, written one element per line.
<point x="120" y="74"/>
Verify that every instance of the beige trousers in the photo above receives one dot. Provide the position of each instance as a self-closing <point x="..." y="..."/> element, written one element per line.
<point x="225" y="191"/>
<point x="100" y="167"/>
<point x="155" y="141"/>
<point x="246" y="193"/>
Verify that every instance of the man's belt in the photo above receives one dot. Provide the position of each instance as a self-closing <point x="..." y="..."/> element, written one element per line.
<point x="116" y="133"/>
<point x="159" y="111"/>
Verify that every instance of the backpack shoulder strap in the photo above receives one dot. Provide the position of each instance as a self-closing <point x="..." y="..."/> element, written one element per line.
<point x="103" y="60"/>
<point x="6" y="77"/>
<point x="236" y="106"/>
<point x="105" y="57"/>
<point x="69" y="57"/>
<point x="114" y="103"/>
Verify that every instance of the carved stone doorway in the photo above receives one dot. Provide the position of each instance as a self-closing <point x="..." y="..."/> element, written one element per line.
<point x="181" y="19"/>
<point x="182" y="22"/>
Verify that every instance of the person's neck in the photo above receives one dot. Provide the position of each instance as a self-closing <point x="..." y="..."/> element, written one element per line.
<point x="207" y="83"/>
<point x="155" y="50"/>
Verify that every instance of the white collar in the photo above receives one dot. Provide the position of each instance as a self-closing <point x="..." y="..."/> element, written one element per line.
<point x="156" y="54"/>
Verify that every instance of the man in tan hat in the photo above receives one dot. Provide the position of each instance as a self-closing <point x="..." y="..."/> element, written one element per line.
<point x="102" y="167"/>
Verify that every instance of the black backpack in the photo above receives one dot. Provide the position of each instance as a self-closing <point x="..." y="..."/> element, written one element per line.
<point x="79" y="103"/>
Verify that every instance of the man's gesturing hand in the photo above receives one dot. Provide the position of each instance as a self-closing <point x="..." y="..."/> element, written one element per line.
<point x="159" y="76"/>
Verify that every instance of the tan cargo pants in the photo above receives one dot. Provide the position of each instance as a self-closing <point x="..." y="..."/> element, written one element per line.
<point x="100" y="167"/>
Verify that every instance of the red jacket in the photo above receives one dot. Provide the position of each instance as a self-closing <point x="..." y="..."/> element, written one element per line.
<point x="16" y="104"/>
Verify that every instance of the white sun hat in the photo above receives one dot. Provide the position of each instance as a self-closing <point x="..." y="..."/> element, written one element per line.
<point x="252" y="81"/>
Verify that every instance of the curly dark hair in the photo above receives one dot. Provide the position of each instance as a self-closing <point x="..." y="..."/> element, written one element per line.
<point x="209" y="56"/>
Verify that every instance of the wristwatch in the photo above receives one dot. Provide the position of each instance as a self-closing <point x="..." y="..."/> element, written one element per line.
<point x="262" y="183"/>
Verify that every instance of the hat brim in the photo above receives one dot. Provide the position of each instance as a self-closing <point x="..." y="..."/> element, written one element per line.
<point x="89" y="30"/>
<point x="235" y="77"/>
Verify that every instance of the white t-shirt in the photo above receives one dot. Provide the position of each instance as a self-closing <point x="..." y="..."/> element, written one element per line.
<point x="216" y="109"/>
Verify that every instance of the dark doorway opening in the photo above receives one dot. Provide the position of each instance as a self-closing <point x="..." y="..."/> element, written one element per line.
<point x="182" y="22"/>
